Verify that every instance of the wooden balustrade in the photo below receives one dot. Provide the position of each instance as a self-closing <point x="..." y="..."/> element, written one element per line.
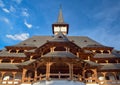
<point x="64" y="76"/>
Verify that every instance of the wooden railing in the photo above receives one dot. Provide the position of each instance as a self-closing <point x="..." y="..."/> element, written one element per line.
<point x="90" y="80"/>
<point x="60" y="76"/>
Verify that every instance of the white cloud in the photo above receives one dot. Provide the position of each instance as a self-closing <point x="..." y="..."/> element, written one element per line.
<point x="17" y="1"/>
<point x="1" y="3"/>
<point x="12" y="9"/>
<point x="21" y="37"/>
<point x="5" y="10"/>
<point x="6" y="20"/>
<point x="27" y="24"/>
<point x="25" y="12"/>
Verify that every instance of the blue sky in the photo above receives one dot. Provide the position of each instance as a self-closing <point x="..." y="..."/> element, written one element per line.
<point x="97" y="19"/>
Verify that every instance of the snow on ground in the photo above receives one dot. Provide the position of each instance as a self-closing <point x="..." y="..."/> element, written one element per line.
<point x="59" y="82"/>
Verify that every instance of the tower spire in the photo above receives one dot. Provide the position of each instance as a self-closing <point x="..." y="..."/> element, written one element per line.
<point x="60" y="16"/>
<point x="60" y="25"/>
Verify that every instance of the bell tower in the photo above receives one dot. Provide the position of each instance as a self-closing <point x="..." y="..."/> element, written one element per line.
<point x="60" y="25"/>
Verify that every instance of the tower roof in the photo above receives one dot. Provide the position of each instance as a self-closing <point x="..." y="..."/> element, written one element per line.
<point x="60" y="16"/>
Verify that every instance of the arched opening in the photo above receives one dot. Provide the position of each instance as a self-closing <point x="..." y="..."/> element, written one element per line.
<point x="29" y="75"/>
<point x="17" y="61"/>
<point x="7" y="78"/>
<point x="97" y="51"/>
<point x="118" y="76"/>
<point x="77" y="69"/>
<point x="112" y="61"/>
<point x="100" y="77"/>
<point x="21" y="51"/>
<point x="6" y="61"/>
<point x="73" y="51"/>
<point x="46" y="51"/>
<point x="41" y="69"/>
<point x="110" y="76"/>
<point x="59" y="49"/>
<point x="89" y="74"/>
<point x="18" y="76"/>
<point x="105" y="51"/>
<point x="59" y="69"/>
<point x="13" y="51"/>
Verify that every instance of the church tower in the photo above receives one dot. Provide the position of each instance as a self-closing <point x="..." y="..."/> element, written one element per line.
<point x="60" y="25"/>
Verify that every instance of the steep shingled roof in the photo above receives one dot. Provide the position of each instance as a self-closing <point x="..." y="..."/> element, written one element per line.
<point x="7" y="54"/>
<point x="81" y="41"/>
<point x="110" y="66"/>
<point x="104" y="55"/>
<point x="61" y="54"/>
<point x="8" y="66"/>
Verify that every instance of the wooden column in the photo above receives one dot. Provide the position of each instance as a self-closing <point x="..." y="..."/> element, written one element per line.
<point x="17" y="51"/>
<point x="14" y="73"/>
<point x="31" y="57"/>
<point x="83" y="73"/>
<point x="71" y="71"/>
<point x="77" y="54"/>
<point x="23" y="74"/>
<point x="2" y="75"/>
<point x="47" y="71"/>
<point x="11" y="61"/>
<point x="0" y="60"/>
<point x="95" y="75"/>
<point x="104" y="74"/>
<point x="35" y="75"/>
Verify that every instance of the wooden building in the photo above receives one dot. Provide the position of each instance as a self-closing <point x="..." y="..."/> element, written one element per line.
<point x="72" y="58"/>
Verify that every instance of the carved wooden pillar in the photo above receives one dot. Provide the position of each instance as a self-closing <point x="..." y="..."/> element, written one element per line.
<point x="31" y="57"/>
<point x="95" y="75"/>
<point x="71" y="71"/>
<point x="0" y="60"/>
<point x="101" y="51"/>
<point x="77" y="54"/>
<point x="2" y="75"/>
<point x="35" y="77"/>
<point x="83" y="73"/>
<point x="47" y="70"/>
<point x="104" y="74"/>
<point x="11" y="61"/>
<point x="23" y="74"/>
<point x="17" y="51"/>
<point x="14" y="74"/>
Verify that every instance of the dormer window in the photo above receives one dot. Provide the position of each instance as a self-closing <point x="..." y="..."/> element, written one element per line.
<point x="60" y="37"/>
